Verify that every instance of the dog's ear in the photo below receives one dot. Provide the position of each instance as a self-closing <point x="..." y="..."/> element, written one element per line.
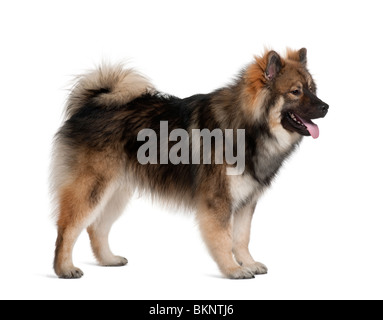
<point x="274" y="65"/>
<point x="299" y="56"/>
<point x="303" y="56"/>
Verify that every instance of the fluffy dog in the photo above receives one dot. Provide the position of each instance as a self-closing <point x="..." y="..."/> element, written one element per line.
<point x="96" y="166"/>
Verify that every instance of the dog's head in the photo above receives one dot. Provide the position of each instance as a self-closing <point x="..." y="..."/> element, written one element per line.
<point x="287" y="87"/>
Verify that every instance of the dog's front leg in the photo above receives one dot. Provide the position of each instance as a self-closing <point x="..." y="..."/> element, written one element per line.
<point x="216" y="225"/>
<point x="241" y="238"/>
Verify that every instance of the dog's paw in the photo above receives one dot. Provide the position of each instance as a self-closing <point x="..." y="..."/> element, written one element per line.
<point x="71" y="273"/>
<point x="115" y="261"/>
<point x="240" y="273"/>
<point x="257" y="268"/>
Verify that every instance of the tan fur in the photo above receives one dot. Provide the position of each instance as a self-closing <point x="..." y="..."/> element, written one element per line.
<point x="241" y="187"/>
<point x="254" y="105"/>
<point x="295" y="55"/>
<point x="254" y="94"/>
<point x="100" y="228"/>
<point x="80" y="202"/>
<point x="255" y="75"/>
<point x="123" y="85"/>
<point x="241" y="240"/>
<point x="284" y="139"/>
<point x="218" y="239"/>
<point x="213" y="215"/>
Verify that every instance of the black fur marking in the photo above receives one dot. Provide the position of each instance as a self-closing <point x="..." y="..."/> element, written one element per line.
<point x="98" y="91"/>
<point x="97" y="190"/>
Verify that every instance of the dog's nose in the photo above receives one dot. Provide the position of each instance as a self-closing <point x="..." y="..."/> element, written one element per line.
<point x="324" y="108"/>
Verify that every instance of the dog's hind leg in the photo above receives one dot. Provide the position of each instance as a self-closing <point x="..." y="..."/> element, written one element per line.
<point x="89" y="184"/>
<point x="241" y="239"/>
<point x="80" y="204"/>
<point x="100" y="228"/>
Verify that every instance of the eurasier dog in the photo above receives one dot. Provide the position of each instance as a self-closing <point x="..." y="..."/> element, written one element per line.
<point x="107" y="149"/>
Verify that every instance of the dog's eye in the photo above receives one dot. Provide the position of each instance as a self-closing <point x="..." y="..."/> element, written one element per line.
<point x="296" y="92"/>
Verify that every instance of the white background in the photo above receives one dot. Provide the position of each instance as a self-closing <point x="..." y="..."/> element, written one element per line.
<point x="318" y="229"/>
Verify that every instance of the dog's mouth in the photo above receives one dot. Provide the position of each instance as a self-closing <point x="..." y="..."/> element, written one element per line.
<point x="291" y="121"/>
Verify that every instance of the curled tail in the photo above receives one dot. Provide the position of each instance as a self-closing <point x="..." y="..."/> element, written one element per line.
<point x="108" y="85"/>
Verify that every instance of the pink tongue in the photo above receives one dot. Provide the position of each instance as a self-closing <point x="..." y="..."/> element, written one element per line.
<point x="311" y="127"/>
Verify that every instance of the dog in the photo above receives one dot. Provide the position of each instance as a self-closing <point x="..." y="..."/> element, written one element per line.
<point x="100" y="160"/>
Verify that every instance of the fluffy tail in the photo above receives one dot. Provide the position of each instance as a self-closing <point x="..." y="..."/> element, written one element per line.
<point x="108" y="85"/>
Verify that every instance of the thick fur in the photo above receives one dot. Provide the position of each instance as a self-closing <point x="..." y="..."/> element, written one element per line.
<point x="95" y="168"/>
